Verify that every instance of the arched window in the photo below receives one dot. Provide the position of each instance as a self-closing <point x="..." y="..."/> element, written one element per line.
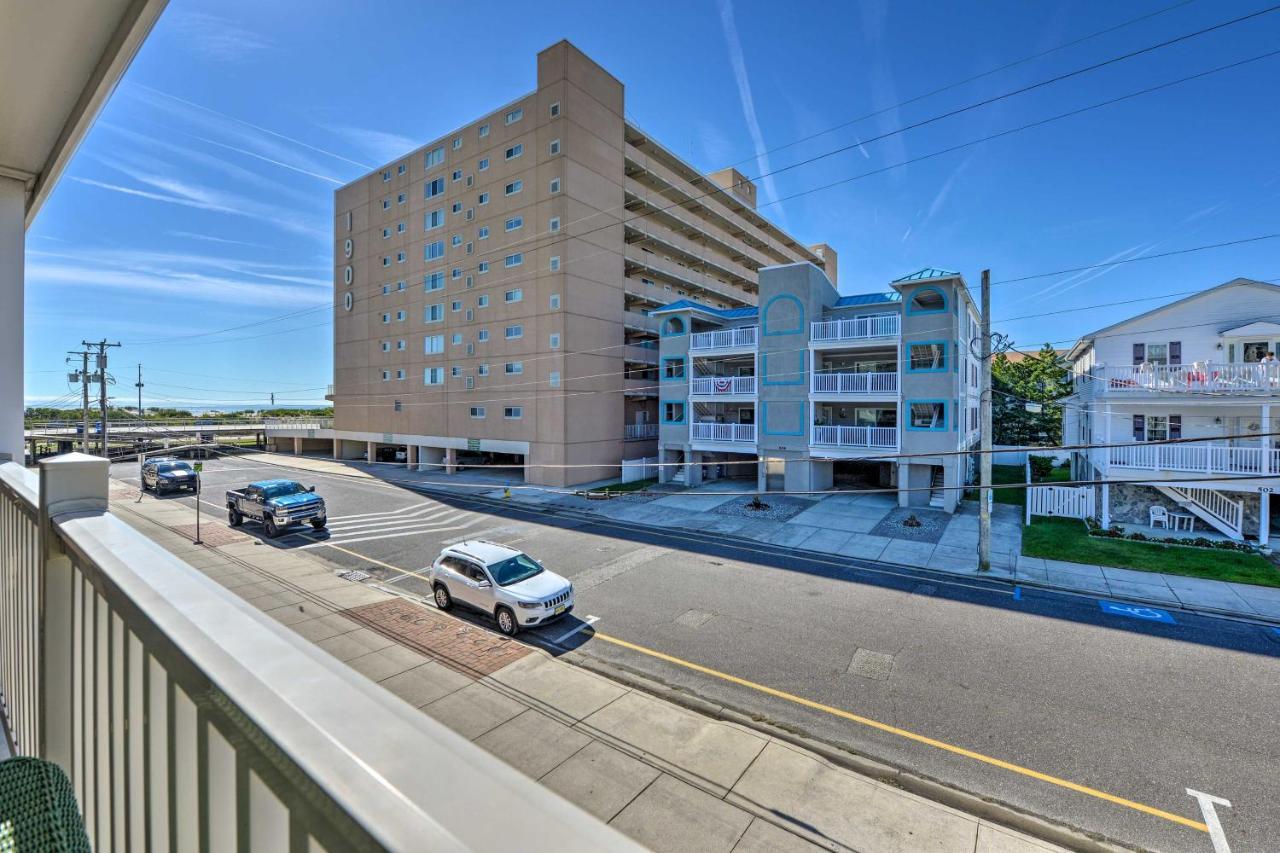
<point x="783" y="315"/>
<point x="673" y="327"/>
<point x="927" y="300"/>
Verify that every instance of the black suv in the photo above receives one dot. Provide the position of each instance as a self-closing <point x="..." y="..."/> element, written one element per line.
<point x="168" y="475"/>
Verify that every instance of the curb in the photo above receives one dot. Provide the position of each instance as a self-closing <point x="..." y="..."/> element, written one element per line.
<point x="1044" y="829"/>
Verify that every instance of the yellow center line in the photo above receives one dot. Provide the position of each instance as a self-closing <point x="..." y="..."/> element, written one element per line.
<point x="397" y="569"/>
<point x="903" y="733"/>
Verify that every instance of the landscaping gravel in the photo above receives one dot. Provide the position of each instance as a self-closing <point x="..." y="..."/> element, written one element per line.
<point x="780" y="508"/>
<point x="932" y="523"/>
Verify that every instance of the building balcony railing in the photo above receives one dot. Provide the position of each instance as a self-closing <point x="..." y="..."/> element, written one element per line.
<point x="878" y="438"/>
<point x="855" y="329"/>
<point x="1191" y="458"/>
<point x="735" y="433"/>
<point x="641" y="353"/>
<point x="1185" y="378"/>
<point x="641" y="322"/>
<point x="639" y="432"/>
<point x="722" y="386"/>
<point x="277" y="424"/>
<point x="186" y="719"/>
<point x="854" y="383"/>
<point x="742" y="337"/>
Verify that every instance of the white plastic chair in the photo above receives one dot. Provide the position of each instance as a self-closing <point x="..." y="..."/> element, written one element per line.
<point x="1159" y="517"/>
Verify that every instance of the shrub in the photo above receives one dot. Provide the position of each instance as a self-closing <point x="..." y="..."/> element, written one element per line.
<point x="912" y="521"/>
<point x="1041" y="466"/>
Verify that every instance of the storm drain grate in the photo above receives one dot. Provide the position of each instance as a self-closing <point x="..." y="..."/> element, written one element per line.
<point x="925" y="589"/>
<point x="869" y="664"/>
<point x="354" y="575"/>
<point x="694" y="618"/>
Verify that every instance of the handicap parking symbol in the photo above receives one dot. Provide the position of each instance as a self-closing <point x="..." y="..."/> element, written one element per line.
<point x="1136" y="611"/>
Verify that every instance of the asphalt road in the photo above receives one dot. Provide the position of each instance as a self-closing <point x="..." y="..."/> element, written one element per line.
<point x="878" y="659"/>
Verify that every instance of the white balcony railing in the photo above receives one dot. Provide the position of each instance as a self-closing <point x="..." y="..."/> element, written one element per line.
<point x="1188" y="378"/>
<point x="638" y="432"/>
<point x="270" y="424"/>
<point x="879" y="438"/>
<point x="1199" y="458"/>
<point x="186" y="719"/>
<point x="855" y="329"/>
<point x="722" y="386"/>
<point x="854" y="383"/>
<point x="745" y="433"/>
<point x="742" y="337"/>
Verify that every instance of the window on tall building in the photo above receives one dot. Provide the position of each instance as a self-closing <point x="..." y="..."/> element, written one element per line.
<point x="555" y="263"/>
<point x="553" y="225"/>
<point x="483" y="198"/>
<point x="514" y="223"/>
<point x="555" y="302"/>
<point x="386" y="346"/>
<point x="456" y="176"/>
<point x="401" y="169"/>
<point x="477" y="412"/>
<point x="515" y="151"/>
<point x="433" y="251"/>
<point x="433" y="313"/>
<point x="433" y="344"/>
<point x="931" y="355"/>
<point x="554" y="340"/>
<point x="386" y="176"/>
<point x="482" y="267"/>
<point x="433" y="188"/>
<point x="554" y="148"/>
<point x="513" y="295"/>
<point x="433" y="376"/>
<point x="483" y="131"/>
<point x="482" y="335"/>
<point x="513" y="413"/>
<point x="513" y="368"/>
<point x="513" y="260"/>
<point x="554" y="186"/>
<point x="554" y="379"/>
<point x="386" y="204"/>
<point x="401" y="198"/>
<point x="434" y="157"/>
<point x="482" y="233"/>
<point x="555" y="109"/>
<point x="514" y="187"/>
<point x="483" y="164"/>
<point x="513" y="332"/>
<point x="514" y="116"/>
<point x="433" y="281"/>
<point x="457" y="143"/>
<point x="482" y="369"/>
<point x="483" y="300"/>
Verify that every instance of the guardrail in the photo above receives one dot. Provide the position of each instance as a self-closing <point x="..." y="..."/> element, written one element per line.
<point x="854" y="383"/>
<point x="1195" y="378"/>
<point x="188" y="720"/>
<point x="738" y="433"/>
<point x="722" y="386"/>
<point x="855" y="329"/>
<point x="878" y="438"/>
<point x="722" y="339"/>
<point x="637" y="432"/>
<point x="1201" y="458"/>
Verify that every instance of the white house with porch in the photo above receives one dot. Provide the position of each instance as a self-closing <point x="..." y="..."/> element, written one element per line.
<point x="1201" y="368"/>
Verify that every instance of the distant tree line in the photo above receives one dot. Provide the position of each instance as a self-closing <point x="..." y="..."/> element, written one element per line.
<point x="46" y="413"/>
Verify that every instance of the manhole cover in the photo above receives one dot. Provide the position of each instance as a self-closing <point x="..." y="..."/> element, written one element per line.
<point x="694" y="618"/>
<point x="354" y="575"/>
<point x="925" y="589"/>
<point x="869" y="664"/>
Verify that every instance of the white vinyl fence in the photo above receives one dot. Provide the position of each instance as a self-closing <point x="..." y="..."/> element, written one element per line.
<point x="1062" y="501"/>
<point x="639" y="469"/>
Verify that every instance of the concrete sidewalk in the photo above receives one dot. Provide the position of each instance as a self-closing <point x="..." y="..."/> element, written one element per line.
<point x="673" y="779"/>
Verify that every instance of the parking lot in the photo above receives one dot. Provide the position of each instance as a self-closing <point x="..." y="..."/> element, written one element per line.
<point x="956" y="659"/>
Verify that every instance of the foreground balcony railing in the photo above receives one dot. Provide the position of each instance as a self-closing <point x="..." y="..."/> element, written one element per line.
<point x="1189" y="378"/>
<point x="637" y="432"/>
<point x="744" y="433"/>
<point x="188" y="720"/>
<point x="855" y="329"/>
<point x="1196" y="458"/>
<point x="742" y="337"/>
<point x="854" y="383"/>
<point x="879" y="438"/>
<point x="722" y="386"/>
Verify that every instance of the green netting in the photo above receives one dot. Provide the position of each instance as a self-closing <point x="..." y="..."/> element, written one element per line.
<point x="38" y="810"/>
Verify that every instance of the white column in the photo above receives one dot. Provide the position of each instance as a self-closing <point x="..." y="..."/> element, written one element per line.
<point x="1264" y="498"/>
<point x="1106" y="505"/>
<point x="1106" y="439"/>
<point x="1266" y="439"/>
<point x="12" y="238"/>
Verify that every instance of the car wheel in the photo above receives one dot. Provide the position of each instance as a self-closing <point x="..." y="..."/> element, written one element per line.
<point x="234" y="518"/>
<point x="443" y="600"/>
<point x="507" y="623"/>
<point x="270" y="524"/>
<point x="319" y="523"/>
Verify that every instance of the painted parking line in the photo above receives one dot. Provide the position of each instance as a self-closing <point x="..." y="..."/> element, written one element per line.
<point x="1136" y="611"/>
<point x="906" y="734"/>
<point x="586" y="623"/>
<point x="1017" y="593"/>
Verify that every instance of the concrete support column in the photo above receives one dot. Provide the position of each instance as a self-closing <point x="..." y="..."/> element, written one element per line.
<point x="430" y="459"/>
<point x="762" y="475"/>
<point x="12" y="237"/>
<point x="693" y="476"/>
<point x="451" y="460"/>
<point x="297" y="446"/>
<point x="411" y="456"/>
<point x="904" y="482"/>
<point x="370" y="451"/>
<point x="1106" y="505"/>
<point x="337" y="448"/>
<point x="1264" y="519"/>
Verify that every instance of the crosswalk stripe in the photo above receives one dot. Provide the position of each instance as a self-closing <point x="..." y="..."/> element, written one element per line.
<point x="387" y="522"/>
<point x="389" y="535"/>
<point x="404" y="510"/>
<point x="420" y="524"/>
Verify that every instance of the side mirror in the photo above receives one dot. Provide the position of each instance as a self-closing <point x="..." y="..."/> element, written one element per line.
<point x="311" y="488"/>
<point x="483" y="584"/>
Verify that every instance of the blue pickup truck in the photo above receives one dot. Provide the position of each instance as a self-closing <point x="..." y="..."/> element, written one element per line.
<point x="277" y="504"/>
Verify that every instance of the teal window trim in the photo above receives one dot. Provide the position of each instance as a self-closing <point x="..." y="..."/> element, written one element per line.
<point x="764" y="420"/>
<point x="764" y="371"/>
<point x="684" y="408"/>
<point x="664" y="331"/>
<point x="684" y="369"/>
<point x="945" y="415"/>
<point x="911" y="309"/>
<point x="907" y="359"/>
<point x="764" y="316"/>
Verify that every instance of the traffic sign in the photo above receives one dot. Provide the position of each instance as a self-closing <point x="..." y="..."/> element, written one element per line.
<point x="198" y="466"/>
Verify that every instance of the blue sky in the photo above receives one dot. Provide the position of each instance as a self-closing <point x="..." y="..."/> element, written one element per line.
<point x="202" y="198"/>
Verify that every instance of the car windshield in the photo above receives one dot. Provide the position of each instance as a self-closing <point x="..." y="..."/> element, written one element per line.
<point x="165" y="467"/>
<point x="513" y="570"/>
<point x="279" y="490"/>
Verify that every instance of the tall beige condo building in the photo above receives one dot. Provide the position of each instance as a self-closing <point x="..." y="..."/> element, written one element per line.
<point x="492" y="288"/>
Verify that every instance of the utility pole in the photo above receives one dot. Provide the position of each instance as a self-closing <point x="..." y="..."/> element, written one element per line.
<point x="139" y="386"/>
<point x="984" y="402"/>
<point x="273" y="399"/>
<point x="102" y="346"/>
<point x="83" y="376"/>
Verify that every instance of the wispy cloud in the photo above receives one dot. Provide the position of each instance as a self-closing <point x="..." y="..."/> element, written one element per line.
<point x="182" y="263"/>
<point x="217" y="38"/>
<point x="1083" y="277"/>
<point x="209" y="238"/>
<point x="381" y="145"/>
<point x="739" y="64"/>
<point x="944" y="192"/>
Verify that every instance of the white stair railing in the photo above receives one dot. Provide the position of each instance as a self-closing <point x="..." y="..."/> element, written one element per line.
<point x="1213" y="506"/>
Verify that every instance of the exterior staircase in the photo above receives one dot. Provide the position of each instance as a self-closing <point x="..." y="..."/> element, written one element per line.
<point x="1211" y="506"/>
<point x="680" y="476"/>
<point x="937" y="494"/>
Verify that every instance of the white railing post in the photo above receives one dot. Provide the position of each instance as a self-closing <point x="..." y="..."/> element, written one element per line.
<point x="71" y="483"/>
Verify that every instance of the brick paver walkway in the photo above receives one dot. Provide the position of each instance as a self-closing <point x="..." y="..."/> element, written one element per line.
<point x="465" y="648"/>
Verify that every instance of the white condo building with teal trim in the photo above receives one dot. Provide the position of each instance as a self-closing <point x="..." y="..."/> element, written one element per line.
<point x="812" y="390"/>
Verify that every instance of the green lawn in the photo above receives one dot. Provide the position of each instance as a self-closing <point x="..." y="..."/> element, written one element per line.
<point x="636" y="486"/>
<point x="1066" y="539"/>
<point x="1016" y="474"/>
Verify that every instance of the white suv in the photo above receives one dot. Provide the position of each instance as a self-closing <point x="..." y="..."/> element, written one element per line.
<point x="504" y="582"/>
